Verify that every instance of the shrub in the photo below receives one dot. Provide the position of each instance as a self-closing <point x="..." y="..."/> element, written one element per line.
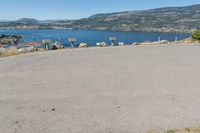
<point x="196" y="35"/>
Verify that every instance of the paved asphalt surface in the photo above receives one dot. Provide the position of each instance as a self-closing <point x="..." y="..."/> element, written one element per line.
<point x="101" y="90"/>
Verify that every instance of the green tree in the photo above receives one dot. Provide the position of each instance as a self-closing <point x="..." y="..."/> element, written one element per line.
<point x="196" y="35"/>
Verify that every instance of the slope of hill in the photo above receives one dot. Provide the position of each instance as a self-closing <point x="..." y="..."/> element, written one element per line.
<point x="168" y="19"/>
<point x="29" y="21"/>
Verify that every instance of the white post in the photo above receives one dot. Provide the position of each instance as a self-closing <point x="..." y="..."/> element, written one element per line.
<point x="72" y="44"/>
<point x="159" y="39"/>
<point x="176" y="39"/>
<point x="112" y="43"/>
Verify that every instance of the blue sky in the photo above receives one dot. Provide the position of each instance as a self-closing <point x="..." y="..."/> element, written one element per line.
<point x="75" y="9"/>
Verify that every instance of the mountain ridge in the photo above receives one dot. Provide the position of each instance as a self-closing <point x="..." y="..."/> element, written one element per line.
<point x="166" y="19"/>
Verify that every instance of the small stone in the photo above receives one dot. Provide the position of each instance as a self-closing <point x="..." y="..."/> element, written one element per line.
<point x="53" y="109"/>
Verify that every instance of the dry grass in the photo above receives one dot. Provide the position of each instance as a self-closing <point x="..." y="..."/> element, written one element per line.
<point x="185" y="130"/>
<point x="188" y="41"/>
<point x="12" y="51"/>
<point x="9" y="52"/>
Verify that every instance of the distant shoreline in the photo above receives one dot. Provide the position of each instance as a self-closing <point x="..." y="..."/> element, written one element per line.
<point x="180" y="32"/>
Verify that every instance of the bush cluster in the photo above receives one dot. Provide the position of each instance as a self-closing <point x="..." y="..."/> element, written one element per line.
<point x="196" y="35"/>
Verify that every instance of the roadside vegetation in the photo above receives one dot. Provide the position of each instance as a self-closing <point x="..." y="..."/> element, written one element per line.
<point x="12" y="51"/>
<point x="196" y="35"/>
<point x="9" y="52"/>
<point x="185" y="130"/>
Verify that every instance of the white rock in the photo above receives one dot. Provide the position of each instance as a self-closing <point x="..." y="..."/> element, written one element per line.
<point x="27" y="49"/>
<point x="121" y="43"/>
<point x="101" y="44"/>
<point x="82" y="45"/>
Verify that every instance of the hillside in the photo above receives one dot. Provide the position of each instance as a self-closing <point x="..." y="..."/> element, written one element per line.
<point x="29" y="21"/>
<point x="168" y="19"/>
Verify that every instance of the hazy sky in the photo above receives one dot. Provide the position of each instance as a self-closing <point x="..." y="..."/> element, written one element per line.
<point x="75" y="9"/>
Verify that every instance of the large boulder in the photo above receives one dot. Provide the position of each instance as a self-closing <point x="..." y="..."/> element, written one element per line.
<point x="27" y="49"/>
<point x="101" y="44"/>
<point x="10" y="39"/>
<point x="58" y="45"/>
<point x="164" y="42"/>
<point x="83" y="45"/>
<point x="135" y="43"/>
<point x="121" y="44"/>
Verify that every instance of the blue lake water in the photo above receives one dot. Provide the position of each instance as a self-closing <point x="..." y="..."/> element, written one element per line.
<point x="92" y="36"/>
